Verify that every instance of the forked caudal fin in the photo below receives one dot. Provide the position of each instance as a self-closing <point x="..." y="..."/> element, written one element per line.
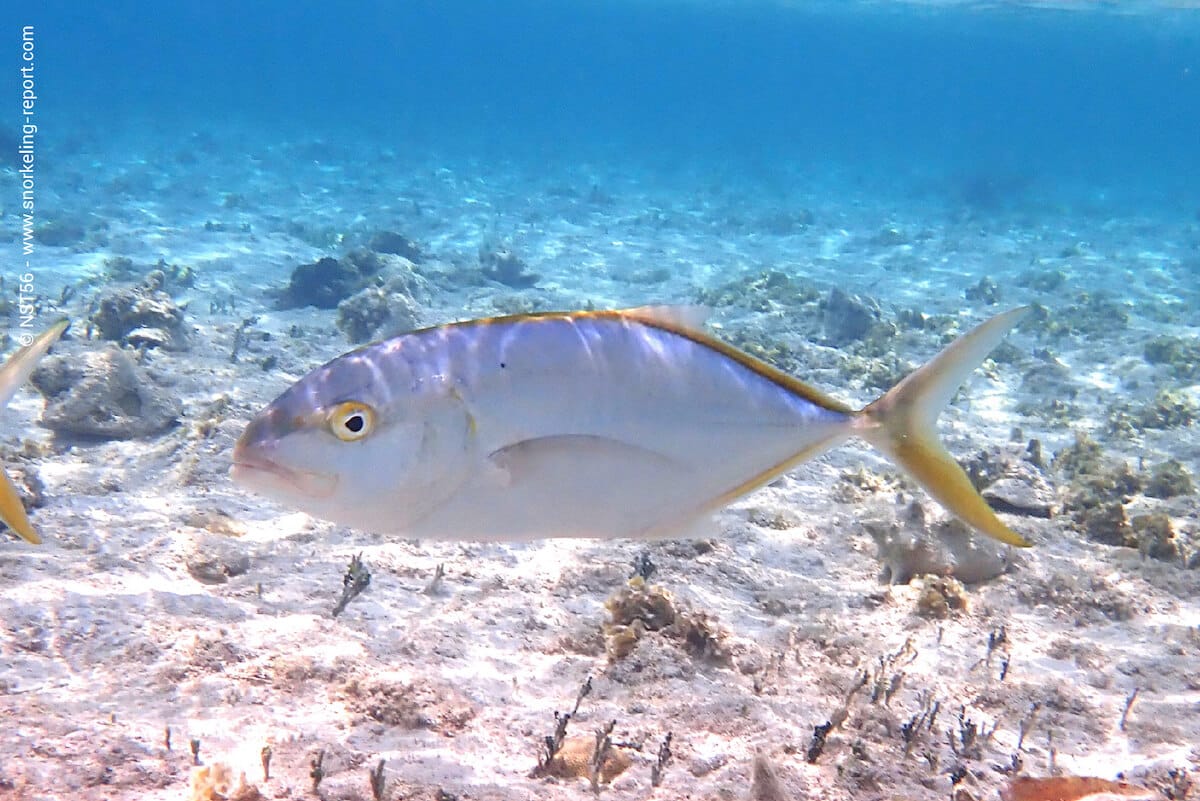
<point x="902" y="424"/>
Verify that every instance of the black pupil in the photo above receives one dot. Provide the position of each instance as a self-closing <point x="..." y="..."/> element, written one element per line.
<point x="355" y="423"/>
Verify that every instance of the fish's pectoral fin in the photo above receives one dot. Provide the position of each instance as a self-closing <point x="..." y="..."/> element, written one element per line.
<point x="577" y="485"/>
<point x="12" y="511"/>
<point x="535" y="457"/>
<point x="902" y="425"/>
<point x="495" y="474"/>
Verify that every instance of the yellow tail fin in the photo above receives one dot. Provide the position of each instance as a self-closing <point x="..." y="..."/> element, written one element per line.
<point x="12" y="375"/>
<point x="902" y="424"/>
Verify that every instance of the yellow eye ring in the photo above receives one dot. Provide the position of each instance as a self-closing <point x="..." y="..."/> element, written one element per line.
<point x="350" y="420"/>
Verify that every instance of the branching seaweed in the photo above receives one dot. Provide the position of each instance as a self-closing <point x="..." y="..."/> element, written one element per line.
<point x="1180" y="786"/>
<point x="239" y="337"/>
<point x="893" y="687"/>
<point x="357" y="579"/>
<point x="378" y="780"/>
<point x="643" y="566"/>
<point x="1026" y="725"/>
<point x="552" y="743"/>
<point x="914" y="730"/>
<point x="1129" y="701"/>
<point x="886" y="679"/>
<point x="317" y="769"/>
<point x="584" y="691"/>
<point x="971" y="737"/>
<point x="435" y="584"/>
<point x="996" y="639"/>
<point x="817" y="744"/>
<point x="660" y="765"/>
<point x="600" y="754"/>
<point x="1016" y="763"/>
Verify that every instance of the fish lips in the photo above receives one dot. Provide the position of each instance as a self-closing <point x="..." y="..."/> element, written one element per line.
<point x="256" y="471"/>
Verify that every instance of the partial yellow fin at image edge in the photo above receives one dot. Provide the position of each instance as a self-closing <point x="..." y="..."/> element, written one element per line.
<point x="12" y="511"/>
<point x="13" y="374"/>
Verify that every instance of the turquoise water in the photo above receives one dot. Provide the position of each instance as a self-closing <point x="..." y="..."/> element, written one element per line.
<point x="1064" y="104"/>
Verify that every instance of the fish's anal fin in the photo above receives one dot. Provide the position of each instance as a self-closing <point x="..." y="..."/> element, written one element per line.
<point x="902" y="425"/>
<point x="698" y="526"/>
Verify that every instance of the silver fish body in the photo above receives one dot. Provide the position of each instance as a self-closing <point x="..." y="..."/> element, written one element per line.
<point x="586" y="424"/>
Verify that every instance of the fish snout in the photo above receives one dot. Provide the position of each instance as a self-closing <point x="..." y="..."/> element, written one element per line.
<point x="251" y="460"/>
<point x="257" y="465"/>
<point x="248" y="455"/>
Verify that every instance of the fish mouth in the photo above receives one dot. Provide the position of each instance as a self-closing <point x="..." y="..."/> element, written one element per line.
<point x="255" y="471"/>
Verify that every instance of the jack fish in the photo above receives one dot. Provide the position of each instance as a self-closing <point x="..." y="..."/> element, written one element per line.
<point x="602" y="424"/>
<point x="13" y="374"/>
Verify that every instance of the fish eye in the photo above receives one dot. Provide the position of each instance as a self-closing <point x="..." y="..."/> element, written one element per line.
<point x="351" y="420"/>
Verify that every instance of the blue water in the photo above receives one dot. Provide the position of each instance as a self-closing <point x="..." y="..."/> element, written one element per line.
<point x="1084" y="105"/>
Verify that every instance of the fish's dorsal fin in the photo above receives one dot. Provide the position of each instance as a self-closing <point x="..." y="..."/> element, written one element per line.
<point x="690" y="317"/>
